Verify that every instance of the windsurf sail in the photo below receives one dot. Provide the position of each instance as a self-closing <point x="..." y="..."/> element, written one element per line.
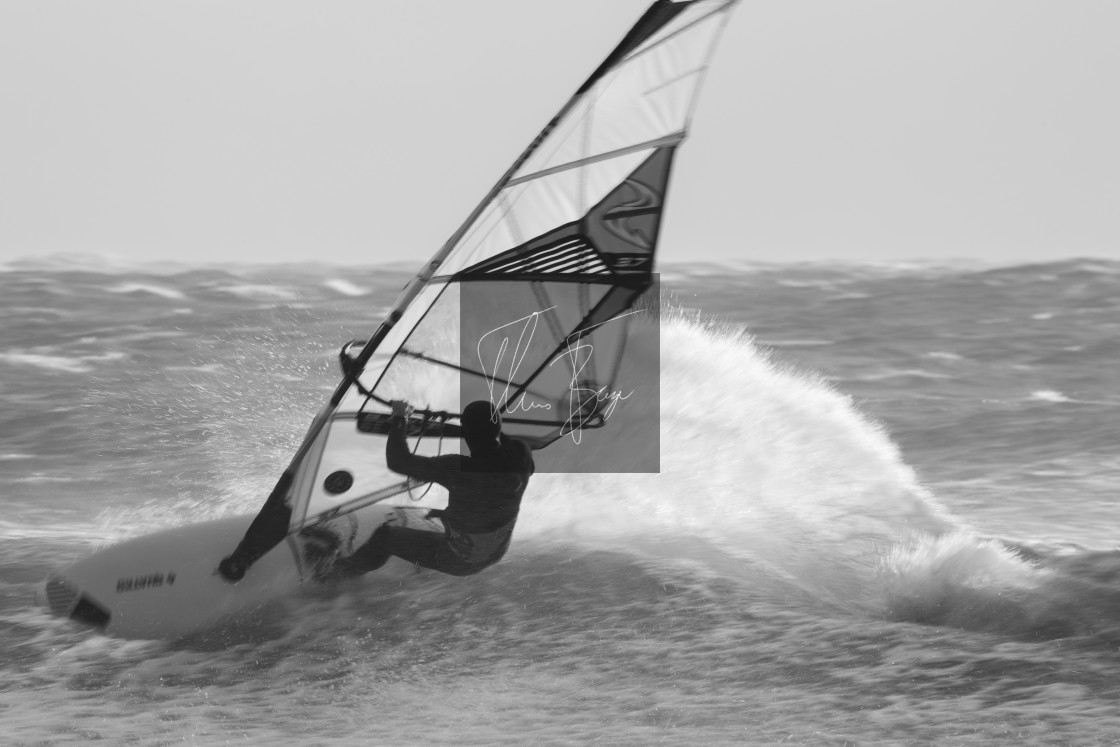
<point x="529" y="303"/>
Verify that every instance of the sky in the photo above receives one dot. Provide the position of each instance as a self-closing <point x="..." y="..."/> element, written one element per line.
<point x="364" y="131"/>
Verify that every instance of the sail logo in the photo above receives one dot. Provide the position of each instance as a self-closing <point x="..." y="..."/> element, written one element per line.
<point x="630" y="221"/>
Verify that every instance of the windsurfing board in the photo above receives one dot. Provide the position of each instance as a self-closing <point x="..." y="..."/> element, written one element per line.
<point x="165" y="585"/>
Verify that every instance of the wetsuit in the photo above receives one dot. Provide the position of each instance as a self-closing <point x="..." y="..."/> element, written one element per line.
<point x="484" y="496"/>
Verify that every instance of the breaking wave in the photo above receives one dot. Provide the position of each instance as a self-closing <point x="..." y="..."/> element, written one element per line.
<point x="772" y="477"/>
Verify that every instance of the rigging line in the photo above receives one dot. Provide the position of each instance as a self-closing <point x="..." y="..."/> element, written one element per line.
<point x="617" y="367"/>
<point x="510" y="217"/>
<point x="584" y="293"/>
<point x="452" y="366"/>
<point x="672" y="138"/>
<point x="677" y="79"/>
<point x="581" y="330"/>
<point x="550" y="316"/>
<point x="581" y="197"/>
<point x="439" y="452"/>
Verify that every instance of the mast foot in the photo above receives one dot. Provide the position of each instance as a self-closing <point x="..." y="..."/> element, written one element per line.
<point x="231" y="570"/>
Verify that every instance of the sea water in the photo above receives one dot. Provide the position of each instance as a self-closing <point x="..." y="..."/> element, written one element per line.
<point x="886" y="513"/>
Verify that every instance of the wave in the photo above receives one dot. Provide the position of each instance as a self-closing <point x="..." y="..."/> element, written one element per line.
<point x="345" y="287"/>
<point x="261" y="292"/>
<point x="759" y="462"/>
<point x="1000" y="586"/>
<point x="772" y="478"/>
<point x="155" y="290"/>
<point x="58" y="363"/>
<point x="794" y="272"/>
<point x="1049" y="395"/>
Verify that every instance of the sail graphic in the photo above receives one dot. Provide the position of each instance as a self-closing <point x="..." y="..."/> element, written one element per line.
<point x="529" y="303"/>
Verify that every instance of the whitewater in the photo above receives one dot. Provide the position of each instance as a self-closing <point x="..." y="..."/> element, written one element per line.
<point x="885" y="514"/>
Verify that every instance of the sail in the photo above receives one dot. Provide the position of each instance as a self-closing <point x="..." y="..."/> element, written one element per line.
<point x="530" y="303"/>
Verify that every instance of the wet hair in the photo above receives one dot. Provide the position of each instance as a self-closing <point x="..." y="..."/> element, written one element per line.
<point x="482" y="423"/>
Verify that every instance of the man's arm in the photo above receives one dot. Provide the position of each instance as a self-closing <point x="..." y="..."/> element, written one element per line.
<point x="401" y="460"/>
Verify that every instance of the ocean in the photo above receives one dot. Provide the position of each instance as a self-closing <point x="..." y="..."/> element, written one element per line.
<point x="886" y="514"/>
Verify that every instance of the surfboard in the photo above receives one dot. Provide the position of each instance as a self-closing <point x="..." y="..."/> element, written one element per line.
<point x="166" y="585"/>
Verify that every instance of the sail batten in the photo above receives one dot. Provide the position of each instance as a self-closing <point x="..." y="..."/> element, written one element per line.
<point x="671" y="139"/>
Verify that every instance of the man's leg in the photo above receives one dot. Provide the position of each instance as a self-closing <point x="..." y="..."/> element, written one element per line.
<point x="426" y="549"/>
<point x="413" y="545"/>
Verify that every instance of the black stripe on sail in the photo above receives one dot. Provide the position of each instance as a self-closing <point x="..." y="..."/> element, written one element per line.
<point x="564" y="256"/>
<point x="582" y="258"/>
<point x="560" y="250"/>
<point x="653" y="20"/>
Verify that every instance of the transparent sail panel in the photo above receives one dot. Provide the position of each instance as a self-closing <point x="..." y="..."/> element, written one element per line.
<point x="699" y="22"/>
<point x="350" y="472"/>
<point x="647" y="97"/>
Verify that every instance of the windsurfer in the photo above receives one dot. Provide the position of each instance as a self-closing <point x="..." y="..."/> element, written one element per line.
<point x="484" y="496"/>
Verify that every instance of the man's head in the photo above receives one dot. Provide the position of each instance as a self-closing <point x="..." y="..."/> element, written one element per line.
<point x="482" y="425"/>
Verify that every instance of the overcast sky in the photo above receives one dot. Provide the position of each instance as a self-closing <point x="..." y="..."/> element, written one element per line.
<point x="362" y="131"/>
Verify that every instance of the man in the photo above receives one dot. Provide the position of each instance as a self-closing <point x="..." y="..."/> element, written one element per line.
<point x="484" y="496"/>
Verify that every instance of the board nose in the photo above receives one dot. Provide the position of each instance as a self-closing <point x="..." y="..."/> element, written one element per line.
<point x="66" y="601"/>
